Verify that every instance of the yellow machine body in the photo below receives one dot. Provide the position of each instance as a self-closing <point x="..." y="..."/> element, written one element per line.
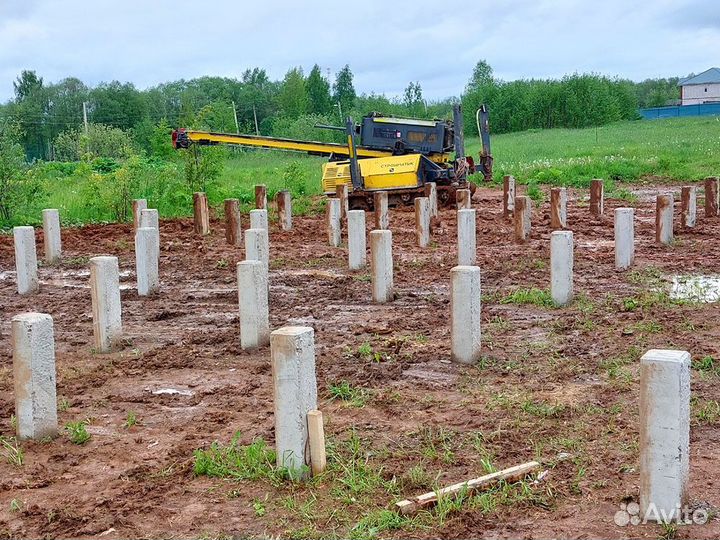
<point x="385" y="173"/>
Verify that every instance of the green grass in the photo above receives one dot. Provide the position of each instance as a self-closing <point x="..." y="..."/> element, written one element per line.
<point x="361" y="489"/>
<point x="77" y="432"/>
<point x="705" y="411"/>
<point x="707" y="364"/>
<point x="236" y="461"/>
<point x="131" y="420"/>
<point x="349" y="395"/>
<point x="685" y="149"/>
<point x="542" y="409"/>
<point x="278" y="170"/>
<point x="677" y="149"/>
<point x="533" y="296"/>
<point x="63" y="404"/>
<point x="12" y="451"/>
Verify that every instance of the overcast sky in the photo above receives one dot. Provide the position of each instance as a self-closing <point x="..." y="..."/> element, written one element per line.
<point x="386" y="42"/>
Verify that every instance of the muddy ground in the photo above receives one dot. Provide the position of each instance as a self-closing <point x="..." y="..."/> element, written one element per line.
<point x="551" y="381"/>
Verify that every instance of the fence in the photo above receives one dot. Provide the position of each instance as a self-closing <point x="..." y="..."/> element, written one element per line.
<point x="703" y="109"/>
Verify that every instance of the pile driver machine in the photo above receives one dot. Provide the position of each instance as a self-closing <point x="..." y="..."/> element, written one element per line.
<point x="382" y="153"/>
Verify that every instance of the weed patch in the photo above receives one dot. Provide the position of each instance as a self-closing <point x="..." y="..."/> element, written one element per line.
<point x="240" y="462"/>
<point x="537" y="297"/>
<point x="349" y="395"/>
<point x="77" y="431"/>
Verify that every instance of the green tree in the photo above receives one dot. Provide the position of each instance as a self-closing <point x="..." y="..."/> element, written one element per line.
<point x="27" y="84"/>
<point x="318" y="90"/>
<point x="255" y="77"/>
<point x="657" y="92"/>
<point x="293" y="97"/>
<point x="482" y="75"/>
<point x="65" y="104"/>
<point x="13" y="187"/>
<point x="215" y="116"/>
<point x="30" y="112"/>
<point x="303" y="127"/>
<point x="413" y="99"/>
<point x="116" y="104"/>
<point x="154" y="138"/>
<point x="343" y="90"/>
<point x="257" y="99"/>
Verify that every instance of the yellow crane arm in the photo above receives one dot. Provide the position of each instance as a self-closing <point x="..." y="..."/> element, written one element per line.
<point x="258" y="141"/>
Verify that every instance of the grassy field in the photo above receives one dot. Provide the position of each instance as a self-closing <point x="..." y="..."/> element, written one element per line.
<point x="673" y="149"/>
<point x="686" y="149"/>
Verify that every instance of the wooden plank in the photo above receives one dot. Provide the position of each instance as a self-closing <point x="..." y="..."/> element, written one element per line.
<point x="316" y="435"/>
<point x="512" y="474"/>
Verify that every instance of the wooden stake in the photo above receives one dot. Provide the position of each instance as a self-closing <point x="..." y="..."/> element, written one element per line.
<point x="341" y="191"/>
<point x="380" y="202"/>
<point x="233" y="225"/>
<point x="283" y="201"/>
<point x="201" y="213"/>
<point x="508" y="195"/>
<point x="138" y="205"/>
<point x="261" y="197"/>
<point x="522" y="216"/>
<point x="597" y="197"/>
<point x="462" y="196"/>
<point x="558" y="208"/>
<point x="711" y="196"/>
<point x="316" y="435"/>
<point x="513" y="474"/>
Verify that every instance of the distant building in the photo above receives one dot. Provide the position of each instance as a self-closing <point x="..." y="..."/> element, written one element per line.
<point x="702" y="88"/>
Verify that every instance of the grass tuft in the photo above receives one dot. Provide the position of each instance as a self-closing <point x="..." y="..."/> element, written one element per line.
<point x="349" y="395"/>
<point x="77" y="431"/>
<point x="533" y="296"/>
<point x="12" y="451"/>
<point x="239" y="462"/>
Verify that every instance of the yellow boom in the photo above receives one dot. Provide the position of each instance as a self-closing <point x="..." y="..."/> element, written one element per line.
<point x="258" y="141"/>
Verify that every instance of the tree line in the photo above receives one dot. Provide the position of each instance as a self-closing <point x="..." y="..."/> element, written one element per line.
<point x="575" y="101"/>
<point x="49" y="116"/>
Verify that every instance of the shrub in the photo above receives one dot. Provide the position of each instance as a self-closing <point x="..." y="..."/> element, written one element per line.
<point x="294" y="178"/>
<point x="203" y="166"/>
<point x="18" y="186"/>
<point x="100" y="141"/>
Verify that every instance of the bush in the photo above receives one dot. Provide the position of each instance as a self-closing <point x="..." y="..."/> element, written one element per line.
<point x="101" y="141"/>
<point x="18" y="186"/>
<point x="575" y="101"/>
<point x="108" y="194"/>
<point x="154" y="139"/>
<point x="203" y="166"/>
<point x="294" y="178"/>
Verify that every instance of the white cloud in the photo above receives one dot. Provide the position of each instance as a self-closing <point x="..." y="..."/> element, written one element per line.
<point x="387" y="44"/>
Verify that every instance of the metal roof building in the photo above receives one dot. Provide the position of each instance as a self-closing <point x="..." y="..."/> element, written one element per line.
<point x="701" y="88"/>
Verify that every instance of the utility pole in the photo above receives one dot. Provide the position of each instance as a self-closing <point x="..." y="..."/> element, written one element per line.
<point x="85" y="122"/>
<point x="340" y="110"/>
<point x="237" y="127"/>
<point x="257" y="130"/>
